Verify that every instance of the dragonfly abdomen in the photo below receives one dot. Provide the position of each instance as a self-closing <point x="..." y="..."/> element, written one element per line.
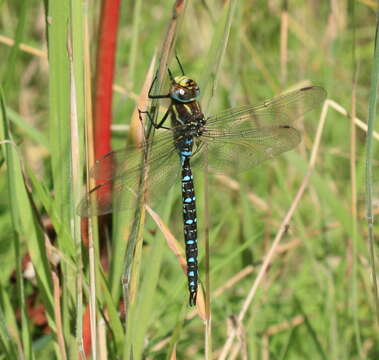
<point x="190" y="227"/>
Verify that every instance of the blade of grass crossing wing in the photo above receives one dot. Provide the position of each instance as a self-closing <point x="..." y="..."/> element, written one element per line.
<point x="133" y="252"/>
<point x="120" y="230"/>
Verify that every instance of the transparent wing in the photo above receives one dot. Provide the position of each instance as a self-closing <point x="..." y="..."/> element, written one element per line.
<point x="126" y="160"/>
<point x="240" y="154"/>
<point x="278" y="111"/>
<point x="118" y="175"/>
<point x="243" y="137"/>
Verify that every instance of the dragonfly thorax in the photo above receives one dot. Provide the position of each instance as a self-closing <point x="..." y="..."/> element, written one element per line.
<point x="184" y="89"/>
<point x="192" y="129"/>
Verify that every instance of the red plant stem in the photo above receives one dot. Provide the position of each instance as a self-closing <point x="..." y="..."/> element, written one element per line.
<point x="105" y="64"/>
<point x="104" y="80"/>
<point x="86" y="332"/>
<point x="104" y="76"/>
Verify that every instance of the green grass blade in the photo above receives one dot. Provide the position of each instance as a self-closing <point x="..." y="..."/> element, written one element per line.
<point x="369" y="163"/>
<point x="25" y="227"/>
<point x="28" y="129"/>
<point x="8" y="77"/>
<point x="61" y="157"/>
<point x="9" y="335"/>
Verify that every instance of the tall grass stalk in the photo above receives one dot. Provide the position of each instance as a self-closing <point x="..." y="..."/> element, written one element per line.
<point x="353" y="175"/>
<point x="369" y="163"/>
<point x="93" y="245"/>
<point x="134" y="245"/>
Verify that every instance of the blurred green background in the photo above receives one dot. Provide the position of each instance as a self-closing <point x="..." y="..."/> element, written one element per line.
<point x="316" y="300"/>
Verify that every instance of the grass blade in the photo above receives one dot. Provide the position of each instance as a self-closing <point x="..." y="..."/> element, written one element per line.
<point x="369" y="163"/>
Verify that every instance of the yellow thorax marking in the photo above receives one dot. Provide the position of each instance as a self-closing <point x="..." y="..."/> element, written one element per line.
<point x="188" y="108"/>
<point x="175" y="111"/>
<point x="182" y="80"/>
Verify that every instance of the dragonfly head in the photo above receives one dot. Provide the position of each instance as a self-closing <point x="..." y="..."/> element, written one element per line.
<point x="184" y="89"/>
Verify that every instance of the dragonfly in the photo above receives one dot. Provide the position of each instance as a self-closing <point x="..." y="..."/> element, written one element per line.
<point x="236" y="139"/>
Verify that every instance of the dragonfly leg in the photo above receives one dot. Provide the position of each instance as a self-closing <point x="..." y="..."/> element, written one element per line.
<point x="150" y="96"/>
<point x="160" y="124"/>
<point x="156" y="126"/>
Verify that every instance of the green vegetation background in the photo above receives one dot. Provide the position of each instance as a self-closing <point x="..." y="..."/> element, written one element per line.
<point x="316" y="300"/>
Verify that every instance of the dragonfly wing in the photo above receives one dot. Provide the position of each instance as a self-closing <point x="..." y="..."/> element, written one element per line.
<point x="243" y="151"/>
<point x="116" y="163"/>
<point x="280" y="110"/>
<point x="119" y="192"/>
<point x="243" y="137"/>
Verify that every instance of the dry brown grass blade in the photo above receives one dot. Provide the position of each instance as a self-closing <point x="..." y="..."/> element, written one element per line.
<point x="102" y="330"/>
<point x="274" y="329"/>
<point x="283" y="43"/>
<point x="58" y="317"/>
<point x="234" y="280"/>
<point x="26" y="48"/>
<point x="43" y="55"/>
<point x="234" y="185"/>
<point x="339" y="108"/>
<point x="173" y="354"/>
<point x="172" y="243"/>
<point x="136" y="131"/>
